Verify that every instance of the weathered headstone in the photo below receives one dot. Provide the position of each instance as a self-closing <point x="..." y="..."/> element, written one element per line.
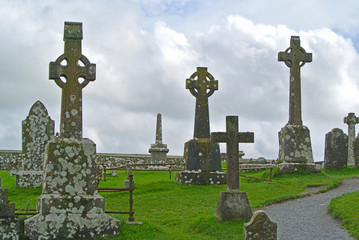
<point x="351" y="120"/>
<point x="70" y="206"/>
<point x="9" y="225"/>
<point x="158" y="150"/>
<point x="202" y="156"/>
<point x="356" y="151"/>
<point x="295" y="150"/>
<point x="336" y="145"/>
<point x="260" y="227"/>
<point x="232" y="204"/>
<point x="37" y="131"/>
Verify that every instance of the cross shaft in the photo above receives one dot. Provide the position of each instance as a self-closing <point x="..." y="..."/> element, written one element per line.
<point x="232" y="138"/>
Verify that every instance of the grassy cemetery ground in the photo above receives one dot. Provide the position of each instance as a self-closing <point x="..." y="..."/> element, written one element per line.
<point x="172" y="211"/>
<point x="346" y="207"/>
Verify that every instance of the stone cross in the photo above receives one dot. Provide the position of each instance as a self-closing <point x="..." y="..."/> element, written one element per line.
<point x="351" y="120"/>
<point x="201" y="88"/>
<point x="295" y="57"/>
<point x="232" y="137"/>
<point x="72" y="71"/>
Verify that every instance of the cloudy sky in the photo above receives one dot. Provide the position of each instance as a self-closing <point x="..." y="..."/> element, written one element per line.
<point x="145" y="49"/>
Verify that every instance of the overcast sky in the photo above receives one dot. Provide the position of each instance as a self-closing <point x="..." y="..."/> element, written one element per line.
<point x="145" y="49"/>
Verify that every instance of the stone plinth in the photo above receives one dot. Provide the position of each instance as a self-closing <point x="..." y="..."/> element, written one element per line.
<point x="260" y="227"/>
<point x="29" y="178"/>
<point x="202" y="159"/>
<point x="233" y="205"/>
<point x="9" y="225"/>
<point x="295" y="149"/>
<point x="70" y="206"/>
<point x="201" y="178"/>
<point x="336" y="149"/>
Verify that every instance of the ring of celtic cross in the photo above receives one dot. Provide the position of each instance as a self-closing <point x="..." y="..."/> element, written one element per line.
<point x="296" y="57"/>
<point x="209" y="81"/>
<point x="77" y="70"/>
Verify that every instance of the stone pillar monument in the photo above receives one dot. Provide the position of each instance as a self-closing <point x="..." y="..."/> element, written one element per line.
<point x="295" y="148"/>
<point x="202" y="156"/>
<point x="37" y="130"/>
<point x="233" y="204"/>
<point x="158" y="150"/>
<point x="70" y="206"/>
<point x="351" y="120"/>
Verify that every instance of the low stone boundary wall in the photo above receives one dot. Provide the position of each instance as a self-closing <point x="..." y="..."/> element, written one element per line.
<point x="11" y="159"/>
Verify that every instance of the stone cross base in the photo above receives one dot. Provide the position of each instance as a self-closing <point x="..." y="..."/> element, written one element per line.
<point x="29" y="178"/>
<point x="233" y="205"/>
<point x="293" y="167"/>
<point x="201" y="178"/>
<point x="202" y="154"/>
<point x="158" y="155"/>
<point x="295" y="145"/>
<point x="9" y="228"/>
<point x="70" y="206"/>
<point x="260" y="227"/>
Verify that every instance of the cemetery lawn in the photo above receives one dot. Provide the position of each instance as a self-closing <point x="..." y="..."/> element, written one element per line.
<point x="172" y="211"/>
<point x="346" y="208"/>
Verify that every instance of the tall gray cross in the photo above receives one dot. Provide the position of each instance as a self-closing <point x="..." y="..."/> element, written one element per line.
<point x="232" y="137"/>
<point x="201" y="88"/>
<point x="72" y="71"/>
<point x="295" y="57"/>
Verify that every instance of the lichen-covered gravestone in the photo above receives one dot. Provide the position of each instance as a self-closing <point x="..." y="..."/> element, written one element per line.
<point x="336" y="145"/>
<point x="70" y="206"/>
<point x="351" y="120"/>
<point x="202" y="156"/>
<point x="9" y="225"/>
<point x="295" y="148"/>
<point x="232" y="204"/>
<point x="37" y="131"/>
<point x="158" y="150"/>
<point x="260" y="227"/>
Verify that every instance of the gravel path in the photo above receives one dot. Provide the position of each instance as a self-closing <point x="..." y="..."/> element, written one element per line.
<point x="308" y="218"/>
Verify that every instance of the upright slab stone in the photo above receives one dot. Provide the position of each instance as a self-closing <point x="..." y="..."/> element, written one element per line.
<point x="37" y="131"/>
<point x="260" y="227"/>
<point x="158" y="150"/>
<point x="351" y="120"/>
<point x="233" y="204"/>
<point x="336" y="145"/>
<point x="356" y="151"/>
<point x="202" y="156"/>
<point x="9" y="225"/>
<point x="295" y="148"/>
<point x="70" y="206"/>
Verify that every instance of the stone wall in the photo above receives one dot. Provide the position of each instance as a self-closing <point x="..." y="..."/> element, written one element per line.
<point x="11" y="159"/>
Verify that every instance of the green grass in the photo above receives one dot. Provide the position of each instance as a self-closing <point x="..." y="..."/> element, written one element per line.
<point x="173" y="211"/>
<point x="346" y="207"/>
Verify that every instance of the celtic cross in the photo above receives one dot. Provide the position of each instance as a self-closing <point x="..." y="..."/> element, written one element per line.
<point x="232" y="137"/>
<point x="202" y="85"/>
<point x="295" y="57"/>
<point x="72" y="71"/>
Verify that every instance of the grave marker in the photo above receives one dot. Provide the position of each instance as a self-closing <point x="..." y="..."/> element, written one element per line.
<point x="70" y="206"/>
<point x="158" y="150"/>
<point x="9" y="225"/>
<point x="202" y="157"/>
<point x="336" y="145"/>
<point x="295" y="148"/>
<point x="260" y="227"/>
<point x="351" y="120"/>
<point x="233" y="204"/>
<point x="37" y="131"/>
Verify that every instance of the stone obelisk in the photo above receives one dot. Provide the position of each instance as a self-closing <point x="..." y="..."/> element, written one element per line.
<point x="158" y="150"/>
